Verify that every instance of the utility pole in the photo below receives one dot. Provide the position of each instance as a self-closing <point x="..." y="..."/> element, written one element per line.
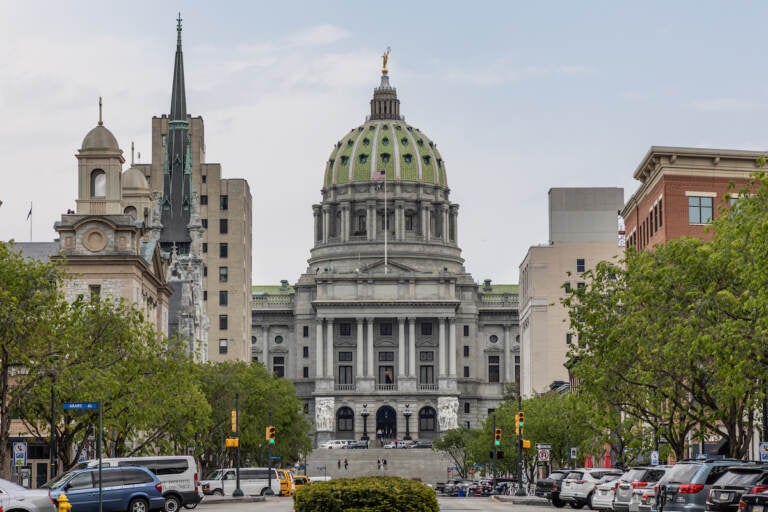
<point x="493" y="464"/>
<point x="269" y="452"/>
<point x="238" y="491"/>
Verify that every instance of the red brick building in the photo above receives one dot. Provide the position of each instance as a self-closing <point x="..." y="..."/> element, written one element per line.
<point x="681" y="191"/>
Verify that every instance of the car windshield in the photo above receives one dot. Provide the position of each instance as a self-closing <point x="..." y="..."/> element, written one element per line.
<point x="633" y="475"/>
<point x="575" y="475"/>
<point x="556" y="476"/>
<point x="610" y="477"/>
<point x="680" y="474"/>
<point x="57" y="482"/>
<point x="216" y="475"/>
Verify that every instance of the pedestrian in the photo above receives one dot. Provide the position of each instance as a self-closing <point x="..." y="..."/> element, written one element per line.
<point x="378" y="463"/>
<point x="338" y="463"/>
<point x="346" y="465"/>
<point x="384" y="463"/>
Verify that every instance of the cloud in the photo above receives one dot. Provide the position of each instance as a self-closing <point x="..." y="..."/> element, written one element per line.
<point x="502" y="71"/>
<point x="726" y="104"/>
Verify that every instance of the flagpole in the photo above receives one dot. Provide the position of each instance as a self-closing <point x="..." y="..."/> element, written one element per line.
<point x="30" y="221"/>
<point x="386" y="224"/>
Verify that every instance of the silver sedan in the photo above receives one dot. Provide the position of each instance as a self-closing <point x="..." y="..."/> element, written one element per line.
<point x="16" y="497"/>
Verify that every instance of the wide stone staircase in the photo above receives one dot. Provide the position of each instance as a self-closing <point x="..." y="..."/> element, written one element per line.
<point x="424" y="464"/>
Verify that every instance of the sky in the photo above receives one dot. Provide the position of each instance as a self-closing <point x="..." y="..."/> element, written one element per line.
<point x="520" y="97"/>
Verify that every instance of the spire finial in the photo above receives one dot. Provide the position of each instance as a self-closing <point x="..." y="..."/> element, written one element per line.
<point x="384" y="59"/>
<point x="131" y="153"/>
<point x="100" y="121"/>
<point x="178" y="31"/>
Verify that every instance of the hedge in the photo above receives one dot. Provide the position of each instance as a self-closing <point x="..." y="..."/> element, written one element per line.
<point x="366" y="494"/>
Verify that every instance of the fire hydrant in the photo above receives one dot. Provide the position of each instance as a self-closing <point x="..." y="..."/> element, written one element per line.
<point x="63" y="503"/>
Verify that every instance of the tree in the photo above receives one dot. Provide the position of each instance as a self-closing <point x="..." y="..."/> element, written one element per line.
<point x="455" y="443"/>
<point x="104" y="351"/>
<point x="260" y="393"/>
<point x="29" y="298"/>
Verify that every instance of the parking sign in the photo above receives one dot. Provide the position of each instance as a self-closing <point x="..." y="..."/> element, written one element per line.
<point x="763" y="452"/>
<point x="20" y="454"/>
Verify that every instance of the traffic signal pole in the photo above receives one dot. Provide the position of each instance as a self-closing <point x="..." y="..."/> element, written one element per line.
<point x="238" y="491"/>
<point x="269" y="452"/>
<point x="493" y="460"/>
<point x="520" y="426"/>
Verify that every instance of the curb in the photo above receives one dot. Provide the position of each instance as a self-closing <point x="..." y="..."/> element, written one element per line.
<point x="521" y="500"/>
<point x="212" y="500"/>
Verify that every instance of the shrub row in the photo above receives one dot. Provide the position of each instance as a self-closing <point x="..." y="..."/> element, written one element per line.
<point x="366" y="494"/>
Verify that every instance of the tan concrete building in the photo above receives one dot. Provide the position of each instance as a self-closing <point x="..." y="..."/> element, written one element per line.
<point x="583" y="231"/>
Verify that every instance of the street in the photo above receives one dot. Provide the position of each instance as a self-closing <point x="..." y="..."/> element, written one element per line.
<point x="274" y="504"/>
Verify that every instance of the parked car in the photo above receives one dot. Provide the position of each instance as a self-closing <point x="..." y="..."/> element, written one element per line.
<point x="334" y="443"/>
<point x="425" y="443"/>
<point x="550" y="487"/>
<point x="648" y="500"/>
<point x="684" y="487"/>
<point x="640" y="492"/>
<point x="300" y="481"/>
<point x="20" y="499"/>
<point x="726" y="492"/>
<point x="579" y="485"/>
<point x="356" y="445"/>
<point x="131" y="489"/>
<point x="635" y="478"/>
<point x="604" y="494"/>
<point x="754" y="502"/>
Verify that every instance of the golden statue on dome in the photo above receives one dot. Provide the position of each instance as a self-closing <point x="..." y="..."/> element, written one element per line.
<point x="384" y="59"/>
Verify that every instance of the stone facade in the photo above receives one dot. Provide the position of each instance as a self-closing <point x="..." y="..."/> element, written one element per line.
<point x="386" y="332"/>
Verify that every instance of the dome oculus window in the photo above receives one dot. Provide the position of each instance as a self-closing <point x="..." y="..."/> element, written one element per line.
<point x="397" y="127"/>
<point x="426" y="159"/>
<point x="350" y="142"/>
<point x="493" y="338"/>
<point x="404" y="141"/>
<point x="420" y="142"/>
<point x="278" y="339"/>
<point x="366" y="141"/>
<point x="386" y="126"/>
<point x="344" y="160"/>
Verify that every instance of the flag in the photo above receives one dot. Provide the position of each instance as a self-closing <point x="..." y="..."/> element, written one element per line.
<point x="379" y="175"/>
<point x="30" y="212"/>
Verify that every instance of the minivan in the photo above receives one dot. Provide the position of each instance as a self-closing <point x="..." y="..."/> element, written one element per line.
<point x="253" y="481"/>
<point x="132" y="489"/>
<point x="178" y="474"/>
<point x="685" y="486"/>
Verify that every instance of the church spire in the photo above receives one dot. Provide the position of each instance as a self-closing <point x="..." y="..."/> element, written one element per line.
<point x="178" y="94"/>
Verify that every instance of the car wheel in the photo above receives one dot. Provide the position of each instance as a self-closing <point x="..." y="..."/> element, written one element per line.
<point x="190" y="506"/>
<point x="267" y="492"/>
<point x="577" y="505"/>
<point x="218" y="492"/>
<point x="172" y="504"/>
<point x="589" y="501"/>
<point x="557" y="502"/>
<point x="138" y="505"/>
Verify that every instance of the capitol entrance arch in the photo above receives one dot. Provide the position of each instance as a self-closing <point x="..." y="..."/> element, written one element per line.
<point x="386" y="422"/>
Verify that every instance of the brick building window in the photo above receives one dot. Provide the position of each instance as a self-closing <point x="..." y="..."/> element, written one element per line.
<point x="224" y="202"/>
<point x="223" y="250"/>
<point x="223" y="346"/>
<point x="223" y="298"/>
<point x="223" y="274"/>
<point x="581" y="265"/>
<point x="699" y="210"/>
<point x="223" y="226"/>
<point x="223" y="322"/>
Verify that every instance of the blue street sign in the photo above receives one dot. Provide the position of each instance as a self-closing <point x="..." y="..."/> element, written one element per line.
<point x="80" y="405"/>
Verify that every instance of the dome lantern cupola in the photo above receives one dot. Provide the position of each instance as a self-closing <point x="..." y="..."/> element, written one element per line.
<point x="385" y="104"/>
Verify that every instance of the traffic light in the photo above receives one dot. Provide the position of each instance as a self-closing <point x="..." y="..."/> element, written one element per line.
<point x="517" y="424"/>
<point x="526" y="443"/>
<point x="271" y="434"/>
<point x="497" y="437"/>
<point x="520" y="421"/>
<point x="234" y="421"/>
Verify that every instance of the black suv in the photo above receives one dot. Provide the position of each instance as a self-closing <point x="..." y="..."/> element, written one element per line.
<point x="724" y="495"/>
<point x="550" y="487"/>
<point x="685" y="486"/>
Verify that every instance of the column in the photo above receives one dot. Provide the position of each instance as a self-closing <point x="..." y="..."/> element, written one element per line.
<point x="265" y="345"/>
<point x="508" y="364"/>
<point x="329" y="348"/>
<point x="369" y="373"/>
<point x="401" y="346"/>
<point x="445" y="222"/>
<point x="326" y="222"/>
<point x="345" y="230"/>
<point x="371" y="220"/>
<point x="399" y="220"/>
<point x="359" y="348"/>
<point x="319" y="347"/>
<point x="455" y="217"/>
<point x="441" y="345"/>
<point x="316" y="235"/>
<point x="452" y="347"/>
<point x="425" y="220"/>
<point x="412" y="347"/>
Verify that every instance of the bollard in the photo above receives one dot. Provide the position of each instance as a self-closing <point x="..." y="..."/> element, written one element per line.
<point x="63" y="503"/>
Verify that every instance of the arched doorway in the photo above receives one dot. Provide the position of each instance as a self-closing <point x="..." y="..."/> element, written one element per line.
<point x="345" y="423"/>
<point x="386" y="423"/>
<point x="427" y="423"/>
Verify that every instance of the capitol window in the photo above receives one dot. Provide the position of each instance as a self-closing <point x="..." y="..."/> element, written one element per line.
<point x="426" y="328"/>
<point x="345" y="329"/>
<point x="385" y="329"/>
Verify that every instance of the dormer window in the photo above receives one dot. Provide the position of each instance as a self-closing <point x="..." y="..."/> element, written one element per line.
<point x="366" y="141"/>
<point x="371" y="127"/>
<point x="420" y="142"/>
<point x="344" y="160"/>
<point x="404" y="141"/>
<point x="350" y="142"/>
<point x="386" y="126"/>
<point x="362" y="158"/>
<point x="385" y="157"/>
<point x="385" y="141"/>
<point x="426" y="159"/>
<point x="407" y="158"/>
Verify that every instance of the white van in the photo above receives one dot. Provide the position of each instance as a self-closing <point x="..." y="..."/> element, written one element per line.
<point x="253" y="481"/>
<point x="178" y="474"/>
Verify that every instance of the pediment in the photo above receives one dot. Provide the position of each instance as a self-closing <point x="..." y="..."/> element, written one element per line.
<point x="379" y="265"/>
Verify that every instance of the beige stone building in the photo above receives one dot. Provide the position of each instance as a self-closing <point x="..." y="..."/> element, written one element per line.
<point x="582" y="231"/>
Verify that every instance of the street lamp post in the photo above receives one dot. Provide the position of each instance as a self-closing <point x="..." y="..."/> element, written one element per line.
<point x="364" y="413"/>
<point x="407" y="413"/>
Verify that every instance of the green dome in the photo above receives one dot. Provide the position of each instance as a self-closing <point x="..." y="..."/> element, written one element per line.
<point x="385" y="143"/>
<point x="403" y="152"/>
